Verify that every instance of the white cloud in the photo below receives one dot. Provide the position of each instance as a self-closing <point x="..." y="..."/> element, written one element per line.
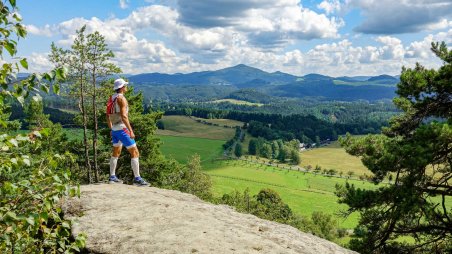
<point x="392" y="49"/>
<point x="38" y="62"/>
<point x="258" y="38"/>
<point x="330" y="6"/>
<point x="47" y="30"/>
<point x="404" y="16"/>
<point x="124" y="4"/>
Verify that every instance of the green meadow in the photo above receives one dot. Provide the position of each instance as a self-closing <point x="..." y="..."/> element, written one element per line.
<point x="181" y="148"/>
<point x="303" y="192"/>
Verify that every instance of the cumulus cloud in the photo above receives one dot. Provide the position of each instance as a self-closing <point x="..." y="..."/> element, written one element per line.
<point x="47" y="30"/>
<point x="405" y="16"/>
<point x="330" y="6"/>
<point x="259" y="37"/>
<point x="124" y="4"/>
<point x="269" y="22"/>
<point x="38" y="62"/>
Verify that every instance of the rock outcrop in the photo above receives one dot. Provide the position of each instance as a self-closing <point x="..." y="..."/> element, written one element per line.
<point x="126" y="219"/>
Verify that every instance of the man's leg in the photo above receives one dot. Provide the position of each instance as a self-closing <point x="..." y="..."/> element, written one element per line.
<point x="114" y="159"/>
<point x="117" y="146"/>
<point x="138" y="181"/>
<point x="134" y="154"/>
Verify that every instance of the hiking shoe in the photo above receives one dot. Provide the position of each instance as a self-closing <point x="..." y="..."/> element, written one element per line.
<point x="113" y="180"/>
<point x="138" y="181"/>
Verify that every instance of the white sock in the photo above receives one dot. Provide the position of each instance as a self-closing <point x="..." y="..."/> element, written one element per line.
<point x="135" y="167"/>
<point x="113" y="162"/>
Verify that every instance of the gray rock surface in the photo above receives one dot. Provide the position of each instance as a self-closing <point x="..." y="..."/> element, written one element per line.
<point x="127" y="219"/>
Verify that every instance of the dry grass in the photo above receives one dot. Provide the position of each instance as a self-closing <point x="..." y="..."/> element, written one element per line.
<point x="333" y="156"/>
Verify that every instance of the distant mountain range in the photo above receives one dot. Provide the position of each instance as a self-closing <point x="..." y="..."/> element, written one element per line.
<point x="273" y="84"/>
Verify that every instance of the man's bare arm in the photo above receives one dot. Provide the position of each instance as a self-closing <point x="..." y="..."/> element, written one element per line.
<point x="109" y="122"/>
<point x="124" y="116"/>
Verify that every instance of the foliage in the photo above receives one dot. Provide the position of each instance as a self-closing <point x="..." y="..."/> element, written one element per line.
<point x="36" y="119"/>
<point x="267" y="204"/>
<point x="32" y="181"/>
<point x="30" y="209"/>
<point x="238" y="150"/>
<point x="418" y="151"/>
<point x="194" y="181"/>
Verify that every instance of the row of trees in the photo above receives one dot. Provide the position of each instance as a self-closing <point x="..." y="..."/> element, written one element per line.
<point x="276" y="149"/>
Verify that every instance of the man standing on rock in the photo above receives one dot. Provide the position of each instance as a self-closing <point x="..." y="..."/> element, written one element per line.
<point x="122" y="133"/>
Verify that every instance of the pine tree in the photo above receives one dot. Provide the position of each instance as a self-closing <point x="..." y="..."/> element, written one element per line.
<point x="416" y="148"/>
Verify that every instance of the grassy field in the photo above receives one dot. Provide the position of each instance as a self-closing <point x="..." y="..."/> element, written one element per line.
<point x="333" y="156"/>
<point x="222" y="122"/>
<point x="181" y="148"/>
<point x="239" y="102"/>
<point x="303" y="192"/>
<point x="184" y="126"/>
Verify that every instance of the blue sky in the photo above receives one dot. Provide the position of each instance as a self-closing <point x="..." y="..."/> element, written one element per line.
<point x="331" y="37"/>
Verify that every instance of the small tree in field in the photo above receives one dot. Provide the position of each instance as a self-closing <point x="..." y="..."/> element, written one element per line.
<point x="238" y="150"/>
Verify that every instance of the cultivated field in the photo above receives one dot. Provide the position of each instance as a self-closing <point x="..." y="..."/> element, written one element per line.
<point x="333" y="156"/>
<point x="187" y="127"/>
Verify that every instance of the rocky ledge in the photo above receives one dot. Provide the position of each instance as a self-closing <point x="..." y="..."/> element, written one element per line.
<point x="127" y="219"/>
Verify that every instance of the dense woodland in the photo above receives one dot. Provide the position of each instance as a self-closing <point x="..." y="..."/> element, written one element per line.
<point x="287" y="127"/>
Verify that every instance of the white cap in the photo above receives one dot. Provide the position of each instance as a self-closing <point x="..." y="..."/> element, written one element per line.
<point x="119" y="83"/>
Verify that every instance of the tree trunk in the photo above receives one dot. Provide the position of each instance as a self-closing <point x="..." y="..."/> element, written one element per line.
<point x="96" y="170"/>
<point x="85" y="128"/>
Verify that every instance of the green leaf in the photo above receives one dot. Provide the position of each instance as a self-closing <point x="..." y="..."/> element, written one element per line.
<point x="56" y="88"/>
<point x="37" y="98"/>
<point x="31" y="220"/>
<point x="26" y="162"/>
<point x="21" y="100"/>
<point x="11" y="47"/>
<point x="11" y="215"/>
<point x="37" y="134"/>
<point x="57" y="179"/>
<point x="45" y="216"/>
<point x="13" y="142"/>
<point x="45" y="88"/>
<point x="65" y="224"/>
<point x="17" y="17"/>
<point x="24" y="63"/>
<point x="13" y="3"/>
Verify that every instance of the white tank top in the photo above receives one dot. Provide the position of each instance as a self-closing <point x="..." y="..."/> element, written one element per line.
<point x="115" y="118"/>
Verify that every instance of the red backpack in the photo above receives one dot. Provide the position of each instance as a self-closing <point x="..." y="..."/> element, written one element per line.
<point x="111" y="105"/>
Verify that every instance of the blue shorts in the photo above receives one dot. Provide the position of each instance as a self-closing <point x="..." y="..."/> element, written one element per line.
<point x="121" y="137"/>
